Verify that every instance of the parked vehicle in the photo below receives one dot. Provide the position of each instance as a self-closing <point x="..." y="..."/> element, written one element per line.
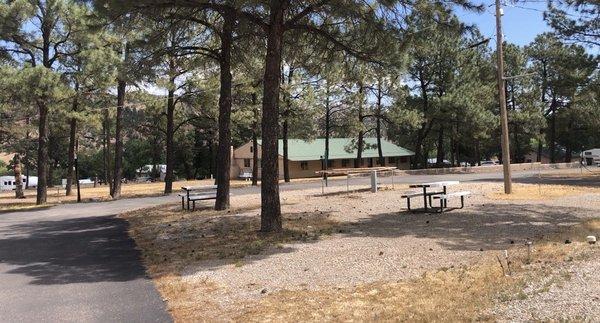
<point x="488" y="163"/>
<point x="591" y="157"/>
<point x="7" y="183"/>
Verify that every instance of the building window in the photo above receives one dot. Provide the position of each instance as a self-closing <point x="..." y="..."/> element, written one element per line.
<point x="251" y="149"/>
<point x="330" y="163"/>
<point x="404" y="159"/>
<point x="247" y="162"/>
<point x="345" y="163"/>
<point x="304" y="165"/>
<point x="392" y="160"/>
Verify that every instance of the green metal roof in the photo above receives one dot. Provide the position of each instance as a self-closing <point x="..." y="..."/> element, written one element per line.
<point x="339" y="148"/>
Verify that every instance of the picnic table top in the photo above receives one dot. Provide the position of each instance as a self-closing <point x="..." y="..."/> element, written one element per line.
<point x="436" y="184"/>
<point x="198" y="187"/>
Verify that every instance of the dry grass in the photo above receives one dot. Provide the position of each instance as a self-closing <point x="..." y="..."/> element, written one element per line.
<point x="449" y="294"/>
<point x="11" y="207"/>
<point x="171" y="240"/>
<point x="455" y="294"/>
<point x="540" y="192"/>
<point x="57" y="195"/>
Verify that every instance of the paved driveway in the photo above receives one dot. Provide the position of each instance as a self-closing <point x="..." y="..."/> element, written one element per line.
<point x="75" y="263"/>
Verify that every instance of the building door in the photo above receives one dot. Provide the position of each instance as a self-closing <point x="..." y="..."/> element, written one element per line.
<point x="370" y="162"/>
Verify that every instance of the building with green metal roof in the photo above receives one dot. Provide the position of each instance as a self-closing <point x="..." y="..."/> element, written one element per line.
<point x="306" y="157"/>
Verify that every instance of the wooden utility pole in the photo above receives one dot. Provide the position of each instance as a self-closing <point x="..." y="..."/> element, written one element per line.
<point x="502" y="100"/>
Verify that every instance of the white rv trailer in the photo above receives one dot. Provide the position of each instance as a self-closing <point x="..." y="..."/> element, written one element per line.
<point x="7" y="183"/>
<point x="591" y="157"/>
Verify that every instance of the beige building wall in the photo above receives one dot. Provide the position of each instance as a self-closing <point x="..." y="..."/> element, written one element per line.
<point x="241" y="161"/>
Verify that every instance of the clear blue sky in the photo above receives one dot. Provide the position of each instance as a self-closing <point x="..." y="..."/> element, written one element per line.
<point x="520" y="25"/>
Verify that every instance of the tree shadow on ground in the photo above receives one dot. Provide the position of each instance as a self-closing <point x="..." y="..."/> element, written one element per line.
<point x="89" y="249"/>
<point x="173" y="241"/>
<point x="488" y="227"/>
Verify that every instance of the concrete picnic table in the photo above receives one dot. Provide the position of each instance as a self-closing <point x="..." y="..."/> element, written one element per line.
<point x="425" y="186"/>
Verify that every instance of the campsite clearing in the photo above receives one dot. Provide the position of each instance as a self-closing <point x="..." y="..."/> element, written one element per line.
<point x="352" y="255"/>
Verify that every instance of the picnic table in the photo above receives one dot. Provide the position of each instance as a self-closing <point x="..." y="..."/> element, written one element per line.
<point x="442" y="195"/>
<point x="425" y="186"/>
<point x="197" y="193"/>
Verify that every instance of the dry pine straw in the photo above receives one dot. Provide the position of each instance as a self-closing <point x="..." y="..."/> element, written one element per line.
<point x="540" y="192"/>
<point x="172" y="240"/>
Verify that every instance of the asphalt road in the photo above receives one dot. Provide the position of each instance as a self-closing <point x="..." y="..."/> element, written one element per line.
<point x="76" y="262"/>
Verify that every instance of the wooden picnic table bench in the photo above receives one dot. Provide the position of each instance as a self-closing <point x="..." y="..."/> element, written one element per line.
<point x="197" y="193"/>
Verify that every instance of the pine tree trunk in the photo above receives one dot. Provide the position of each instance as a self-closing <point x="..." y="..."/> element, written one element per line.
<point x="106" y="151"/>
<point x="358" y="163"/>
<point x="19" y="194"/>
<point x="417" y="158"/>
<point x="51" y="169"/>
<point x="118" y="167"/>
<point x="42" y="160"/>
<point x="169" y="176"/>
<point x="288" y="102"/>
<point x="270" y="204"/>
<point x="71" y="157"/>
<point x="72" y="138"/>
<point x="359" y="149"/>
<point x="27" y="156"/>
<point x="440" y="147"/>
<point x="452" y="152"/>
<point x="378" y="126"/>
<point x="327" y="128"/>
<point x="254" y="142"/>
<point x="553" y="131"/>
<point x="286" y="163"/>
<point x="478" y="153"/>
<point x="224" y="148"/>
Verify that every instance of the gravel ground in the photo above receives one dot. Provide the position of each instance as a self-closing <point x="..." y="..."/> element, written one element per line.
<point x="569" y="293"/>
<point x="379" y="241"/>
